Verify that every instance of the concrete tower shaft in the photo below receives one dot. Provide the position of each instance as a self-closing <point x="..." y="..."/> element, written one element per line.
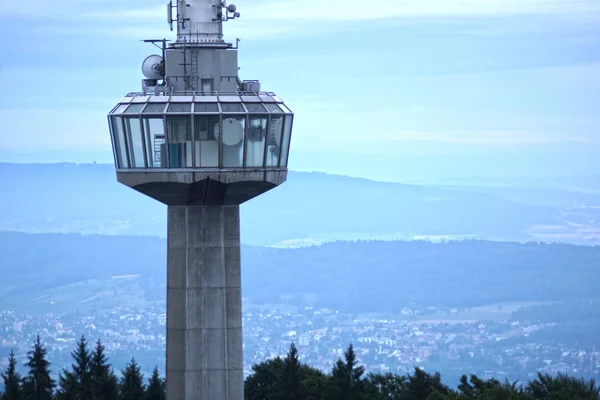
<point x="204" y="304"/>
<point x="201" y="141"/>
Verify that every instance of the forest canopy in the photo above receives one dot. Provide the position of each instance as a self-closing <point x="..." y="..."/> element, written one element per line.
<point x="375" y="276"/>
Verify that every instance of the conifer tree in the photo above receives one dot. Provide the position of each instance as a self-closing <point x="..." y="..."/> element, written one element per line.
<point x="77" y="384"/>
<point x="385" y="386"/>
<point x="423" y="386"/>
<point x="156" y="387"/>
<point x="67" y="386"/>
<point x="562" y="387"/>
<point x="131" y="386"/>
<point x="12" y="380"/>
<point x="291" y="375"/>
<point x="476" y="388"/>
<point x="103" y="380"/>
<point x="346" y="378"/>
<point x="38" y="385"/>
<point x="284" y="379"/>
<point x="265" y="381"/>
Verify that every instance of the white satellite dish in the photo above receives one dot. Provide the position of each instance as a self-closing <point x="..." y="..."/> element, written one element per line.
<point x="233" y="132"/>
<point x="152" y="67"/>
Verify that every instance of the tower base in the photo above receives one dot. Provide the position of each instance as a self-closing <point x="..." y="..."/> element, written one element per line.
<point x="204" y="304"/>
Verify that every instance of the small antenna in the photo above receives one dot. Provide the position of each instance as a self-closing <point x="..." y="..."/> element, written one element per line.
<point x="170" y="14"/>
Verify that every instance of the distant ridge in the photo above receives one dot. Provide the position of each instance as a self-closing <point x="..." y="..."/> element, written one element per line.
<point x="310" y="207"/>
<point x="64" y="273"/>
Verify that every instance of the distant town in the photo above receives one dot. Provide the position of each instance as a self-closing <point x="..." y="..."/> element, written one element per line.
<point x="501" y="348"/>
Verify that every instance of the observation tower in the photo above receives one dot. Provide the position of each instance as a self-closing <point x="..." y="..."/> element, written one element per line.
<point x="202" y="141"/>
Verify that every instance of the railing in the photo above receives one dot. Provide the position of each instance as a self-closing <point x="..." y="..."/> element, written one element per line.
<point x="165" y="92"/>
<point x="200" y="32"/>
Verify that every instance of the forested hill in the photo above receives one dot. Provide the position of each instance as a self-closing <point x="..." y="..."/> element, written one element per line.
<point x="366" y="276"/>
<point x="42" y="272"/>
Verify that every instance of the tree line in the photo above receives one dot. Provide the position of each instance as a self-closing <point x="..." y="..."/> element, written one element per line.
<point x="91" y="377"/>
<point x="286" y="378"/>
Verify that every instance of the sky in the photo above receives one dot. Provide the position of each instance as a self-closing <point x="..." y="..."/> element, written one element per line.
<point x="390" y="91"/>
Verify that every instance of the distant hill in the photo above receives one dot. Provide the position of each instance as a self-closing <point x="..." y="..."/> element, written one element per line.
<point x="537" y="196"/>
<point x="60" y="273"/>
<point x="312" y="207"/>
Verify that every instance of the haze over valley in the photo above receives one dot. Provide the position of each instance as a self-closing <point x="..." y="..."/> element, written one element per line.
<point x="312" y="208"/>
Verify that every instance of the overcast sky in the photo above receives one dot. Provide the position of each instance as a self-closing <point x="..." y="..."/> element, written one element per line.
<point x="404" y="78"/>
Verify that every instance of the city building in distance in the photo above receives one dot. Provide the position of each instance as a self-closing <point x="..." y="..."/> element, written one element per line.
<point x="202" y="141"/>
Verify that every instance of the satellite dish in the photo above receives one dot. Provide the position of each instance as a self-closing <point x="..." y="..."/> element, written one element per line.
<point x="231" y="8"/>
<point x="152" y="67"/>
<point x="233" y="132"/>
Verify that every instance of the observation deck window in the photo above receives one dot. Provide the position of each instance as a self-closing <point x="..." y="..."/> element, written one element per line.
<point x="134" y="109"/>
<point x="285" y="142"/>
<point x="273" y="108"/>
<point x="234" y="127"/>
<point x="232" y="108"/>
<point x="154" y="128"/>
<point x="180" y="108"/>
<point x="201" y="132"/>
<point x="133" y="130"/>
<point x="179" y="138"/>
<point x="274" y="141"/>
<point x="284" y="108"/>
<point x="155" y="108"/>
<point x="206" y="140"/>
<point x="255" y="108"/>
<point x="256" y="136"/>
<point x="120" y="109"/>
<point x="119" y="142"/>
<point x="206" y="108"/>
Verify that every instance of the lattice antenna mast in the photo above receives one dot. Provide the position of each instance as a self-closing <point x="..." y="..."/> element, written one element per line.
<point x="201" y="21"/>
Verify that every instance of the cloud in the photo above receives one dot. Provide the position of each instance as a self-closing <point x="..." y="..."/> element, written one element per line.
<point x="313" y="17"/>
<point x="491" y="137"/>
<point x="360" y="10"/>
<point x="282" y="12"/>
<point x="75" y="10"/>
<point x="50" y="130"/>
<point x="283" y="18"/>
<point x="325" y="121"/>
<point x="400" y="139"/>
<point x="128" y="15"/>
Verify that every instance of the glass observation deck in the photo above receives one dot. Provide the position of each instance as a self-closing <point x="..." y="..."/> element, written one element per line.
<point x="212" y="132"/>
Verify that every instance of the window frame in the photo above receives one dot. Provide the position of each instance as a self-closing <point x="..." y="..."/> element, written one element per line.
<point x="120" y="118"/>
